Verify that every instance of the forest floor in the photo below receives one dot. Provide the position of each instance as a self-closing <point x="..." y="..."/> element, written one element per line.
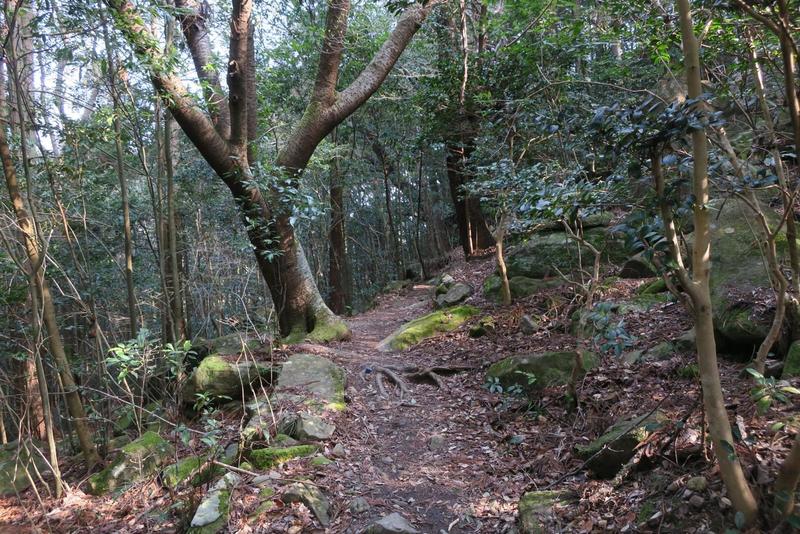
<point x="458" y="458"/>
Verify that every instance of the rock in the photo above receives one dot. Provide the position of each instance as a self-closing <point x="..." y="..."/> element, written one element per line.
<point x="791" y="364"/>
<point x="638" y="267"/>
<point x="338" y="451"/>
<point x="282" y="440"/>
<point x="456" y="294"/>
<point x="483" y="327"/>
<point x="188" y="468"/>
<point x="320" y="461"/>
<point x="312" y="497"/>
<point x="212" y="514"/>
<point x="306" y="427"/>
<point x="16" y="458"/>
<point x="652" y="288"/>
<point x="660" y="352"/>
<point x="739" y="279"/>
<point x="224" y="376"/>
<point x="608" y="453"/>
<point x="443" y="279"/>
<point x="427" y="326"/>
<point x="527" y="325"/>
<point x="549" y="368"/>
<point x="393" y="523"/>
<point x="138" y="459"/>
<point x="436" y="442"/>
<point x="397" y="285"/>
<point x="697" y="484"/>
<point x="685" y="342"/>
<point x="536" y="509"/>
<point x="697" y="501"/>
<point x="546" y="253"/>
<point x="520" y="286"/>
<point x="359" y="505"/>
<point x="312" y="380"/>
<point x="273" y="456"/>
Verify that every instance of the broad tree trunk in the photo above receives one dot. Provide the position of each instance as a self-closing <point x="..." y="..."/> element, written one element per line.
<point x="339" y="264"/>
<point x="473" y="232"/>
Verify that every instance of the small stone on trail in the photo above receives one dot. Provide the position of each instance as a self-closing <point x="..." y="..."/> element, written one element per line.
<point x="697" y="484"/>
<point x="338" y="451"/>
<point x="527" y="325"/>
<point x="436" y="442"/>
<point x="359" y="505"/>
<point x="393" y="523"/>
<point x="697" y="501"/>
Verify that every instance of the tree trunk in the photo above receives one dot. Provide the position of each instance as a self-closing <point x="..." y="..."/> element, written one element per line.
<point x="173" y="279"/>
<point x="339" y="265"/>
<point x="699" y="292"/>
<point x="473" y="232"/>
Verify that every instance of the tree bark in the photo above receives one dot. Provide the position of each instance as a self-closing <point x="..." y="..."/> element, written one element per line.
<point x="339" y="264"/>
<point x="473" y="232"/>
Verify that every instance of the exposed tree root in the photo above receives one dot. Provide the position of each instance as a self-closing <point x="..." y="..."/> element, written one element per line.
<point x="414" y="373"/>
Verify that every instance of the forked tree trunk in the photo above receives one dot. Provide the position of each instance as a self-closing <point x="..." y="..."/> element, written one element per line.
<point x="301" y="311"/>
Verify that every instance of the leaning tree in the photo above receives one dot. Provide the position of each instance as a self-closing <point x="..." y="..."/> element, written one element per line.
<point x="224" y="130"/>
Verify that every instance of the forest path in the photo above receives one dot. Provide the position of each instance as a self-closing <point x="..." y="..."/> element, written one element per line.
<point x="429" y="458"/>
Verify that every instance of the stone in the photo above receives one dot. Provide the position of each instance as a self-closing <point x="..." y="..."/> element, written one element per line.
<point x="652" y="288"/>
<point x="359" y="505"/>
<point x="520" y="286"/>
<point x="427" y="326"/>
<point x="536" y="508"/>
<point x="226" y="376"/>
<point x="137" y="460"/>
<point x="685" y="342"/>
<point x="608" y="453"/>
<point x="211" y="515"/>
<point x="436" y="442"/>
<point x="697" y="484"/>
<point x="456" y="294"/>
<point x="791" y="364"/>
<point x="638" y="267"/>
<point x="660" y="352"/>
<point x="338" y="451"/>
<point x="527" y="325"/>
<point x="484" y="326"/>
<point x="312" y="380"/>
<point x="549" y="369"/>
<point x="189" y="468"/>
<point x="17" y="458"/>
<point x="320" y="461"/>
<point x="305" y="426"/>
<point x="311" y="496"/>
<point x="393" y="523"/>
<point x="547" y="253"/>
<point x="273" y="456"/>
<point x="697" y="501"/>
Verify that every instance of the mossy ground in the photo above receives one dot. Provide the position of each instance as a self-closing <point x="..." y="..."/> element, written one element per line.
<point x="427" y="326"/>
<point x="272" y="456"/>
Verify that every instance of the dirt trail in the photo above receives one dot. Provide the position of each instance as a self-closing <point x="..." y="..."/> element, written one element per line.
<point x="432" y="461"/>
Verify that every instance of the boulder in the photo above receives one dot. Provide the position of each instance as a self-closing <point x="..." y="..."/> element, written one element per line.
<point x="311" y="496"/>
<point x="393" y="523"/>
<point x="273" y="456"/>
<point x="520" y="286"/>
<point x="535" y="510"/>
<point x="191" y="468"/>
<point x="16" y="460"/>
<point x="549" y="369"/>
<point x="226" y="376"/>
<point x="137" y="460"/>
<point x="483" y="327"/>
<point x="527" y="325"/>
<point x="607" y="454"/>
<point x="656" y="286"/>
<point x="456" y="294"/>
<point x="306" y="427"/>
<point x="212" y="514"/>
<point x="638" y="267"/>
<point x="791" y="365"/>
<point x="546" y="253"/>
<point x="740" y="279"/>
<point x="427" y="326"/>
<point x="312" y="380"/>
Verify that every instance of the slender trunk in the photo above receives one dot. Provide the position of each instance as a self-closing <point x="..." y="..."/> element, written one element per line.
<point x="338" y="266"/>
<point x="788" y="477"/>
<point x="718" y="423"/>
<point x="505" y="288"/>
<point x="174" y="279"/>
<point x="473" y="232"/>
<point x="422" y="264"/>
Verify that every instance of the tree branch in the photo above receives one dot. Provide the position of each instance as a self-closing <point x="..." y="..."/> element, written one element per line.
<point x="238" y="72"/>
<point x="331" y="55"/>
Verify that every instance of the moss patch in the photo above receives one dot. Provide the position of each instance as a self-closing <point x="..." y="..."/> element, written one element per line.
<point x="427" y="326"/>
<point x="272" y="456"/>
<point x="534" y="509"/>
<point x="549" y="368"/>
<point x="138" y="459"/>
<point x="186" y="469"/>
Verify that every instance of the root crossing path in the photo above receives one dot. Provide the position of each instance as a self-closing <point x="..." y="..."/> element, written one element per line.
<point x="431" y="456"/>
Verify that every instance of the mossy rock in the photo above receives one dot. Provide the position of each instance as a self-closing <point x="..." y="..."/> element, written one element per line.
<point x="607" y="454"/>
<point x="549" y="368"/>
<point x="738" y="273"/>
<point x="791" y="365"/>
<point x="312" y="380"/>
<point x="273" y="456"/>
<point x="427" y="326"/>
<point x="212" y="514"/>
<point x="536" y="508"/>
<point x="651" y="288"/>
<point x="137" y="460"/>
<point x="483" y="327"/>
<point x="221" y="376"/>
<point x="320" y="461"/>
<point x="17" y="459"/>
<point x="520" y="286"/>
<point x="191" y="468"/>
<point x="547" y="253"/>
